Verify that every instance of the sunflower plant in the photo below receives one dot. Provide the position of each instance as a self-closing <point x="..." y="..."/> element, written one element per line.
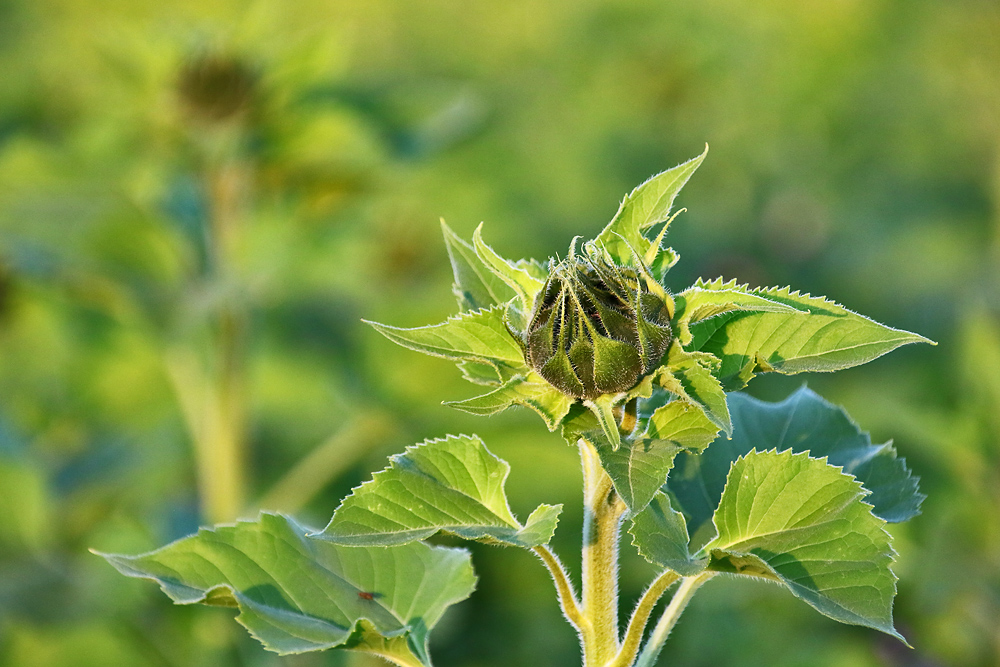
<point x="646" y="382"/>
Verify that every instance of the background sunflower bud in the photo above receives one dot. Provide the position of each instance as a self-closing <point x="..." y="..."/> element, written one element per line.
<point x="596" y="328"/>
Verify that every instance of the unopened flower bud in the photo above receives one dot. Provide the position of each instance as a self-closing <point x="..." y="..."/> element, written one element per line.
<point x="596" y="328"/>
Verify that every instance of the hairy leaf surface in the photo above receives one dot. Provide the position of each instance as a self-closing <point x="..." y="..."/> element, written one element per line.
<point x="475" y="286"/>
<point x="296" y="593"/>
<point x="531" y="391"/>
<point x="479" y="336"/>
<point x="826" y="337"/>
<point x="647" y="205"/>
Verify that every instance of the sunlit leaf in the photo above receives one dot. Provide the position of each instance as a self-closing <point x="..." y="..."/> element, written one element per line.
<point x="708" y="299"/>
<point x="827" y="337"/>
<point x="690" y="375"/>
<point x="647" y="205"/>
<point x="453" y="484"/>
<point x="475" y="286"/>
<point x="531" y="391"/>
<point x="802" y="522"/>
<point x="296" y="593"/>
<point x="479" y="336"/>
<point x="518" y="277"/>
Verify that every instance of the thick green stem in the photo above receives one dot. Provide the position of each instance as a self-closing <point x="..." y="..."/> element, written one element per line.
<point x="640" y="617"/>
<point x="666" y="623"/>
<point x="603" y="511"/>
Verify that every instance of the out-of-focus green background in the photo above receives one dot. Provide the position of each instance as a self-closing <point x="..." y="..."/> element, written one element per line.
<point x="199" y="201"/>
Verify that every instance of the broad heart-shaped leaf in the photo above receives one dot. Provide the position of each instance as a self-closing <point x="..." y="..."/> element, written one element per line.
<point x="660" y="534"/>
<point x="802" y="522"/>
<point x="475" y="286"/>
<point x="531" y="391"/>
<point x="639" y="466"/>
<point x="827" y="337"/>
<point x="297" y="593"/>
<point x="454" y="484"/>
<point x="708" y="299"/>
<point x="647" y="205"/>
<point x="801" y="422"/>
<point x="479" y="336"/>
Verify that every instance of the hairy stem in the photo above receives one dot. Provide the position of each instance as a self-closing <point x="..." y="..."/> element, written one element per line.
<point x="684" y="593"/>
<point x="567" y="596"/>
<point x="640" y="617"/>
<point x="603" y="511"/>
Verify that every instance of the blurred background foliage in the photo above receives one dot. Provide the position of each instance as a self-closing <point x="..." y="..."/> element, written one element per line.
<point x="200" y="200"/>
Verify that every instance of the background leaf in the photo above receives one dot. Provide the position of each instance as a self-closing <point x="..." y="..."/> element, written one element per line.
<point x="803" y="422"/>
<point x="803" y="523"/>
<point x="297" y="593"/>
<point x="453" y="484"/>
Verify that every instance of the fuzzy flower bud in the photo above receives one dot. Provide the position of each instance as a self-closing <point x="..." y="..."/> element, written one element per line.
<point x="597" y="327"/>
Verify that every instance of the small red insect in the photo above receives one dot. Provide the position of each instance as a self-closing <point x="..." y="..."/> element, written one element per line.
<point x="366" y="596"/>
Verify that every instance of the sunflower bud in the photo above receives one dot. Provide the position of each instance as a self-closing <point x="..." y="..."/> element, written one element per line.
<point x="596" y="328"/>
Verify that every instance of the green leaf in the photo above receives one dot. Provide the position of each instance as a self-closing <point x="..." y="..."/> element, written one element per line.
<point x="298" y="594"/>
<point x="690" y="375"/>
<point x="803" y="422"/>
<point x="639" y="466"/>
<point x="705" y="300"/>
<point x="518" y="276"/>
<point x="480" y="336"/>
<point x="645" y="206"/>
<point x="475" y="286"/>
<point x="531" y="391"/>
<point x="827" y="337"/>
<point x="454" y="484"/>
<point x="803" y="523"/>
<point x="660" y="534"/>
